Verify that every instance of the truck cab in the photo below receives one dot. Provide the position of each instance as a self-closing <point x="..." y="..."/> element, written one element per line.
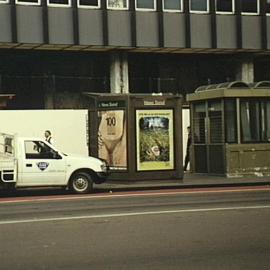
<point x="33" y="162"/>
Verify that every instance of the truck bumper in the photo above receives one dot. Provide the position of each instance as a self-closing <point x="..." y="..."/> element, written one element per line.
<point x="101" y="177"/>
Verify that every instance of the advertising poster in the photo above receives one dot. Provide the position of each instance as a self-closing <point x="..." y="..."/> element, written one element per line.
<point x="112" y="145"/>
<point x="154" y="130"/>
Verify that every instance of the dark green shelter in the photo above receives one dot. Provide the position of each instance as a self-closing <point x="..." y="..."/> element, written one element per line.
<point x="231" y="129"/>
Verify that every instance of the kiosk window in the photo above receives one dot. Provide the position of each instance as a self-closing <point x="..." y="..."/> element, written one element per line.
<point x="215" y="121"/>
<point x="255" y="117"/>
<point x="230" y="121"/>
<point x="266" y="122"/>
<point x="199" y="123"/>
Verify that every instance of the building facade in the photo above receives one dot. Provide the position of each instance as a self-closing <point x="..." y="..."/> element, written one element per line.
<point x="52" y="50"/>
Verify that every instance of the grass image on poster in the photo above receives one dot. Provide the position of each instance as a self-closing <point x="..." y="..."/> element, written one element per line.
<point x="154" y="130"/>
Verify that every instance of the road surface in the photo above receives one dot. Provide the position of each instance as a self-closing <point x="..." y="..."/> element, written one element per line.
<point x="221" y="228"/>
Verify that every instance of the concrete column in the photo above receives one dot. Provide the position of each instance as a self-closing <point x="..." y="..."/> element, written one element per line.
<point x="119" y="73"/>
<point x="245" y="71"/>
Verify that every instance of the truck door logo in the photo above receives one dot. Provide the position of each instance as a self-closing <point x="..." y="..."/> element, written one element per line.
<point x="42" y="165"/>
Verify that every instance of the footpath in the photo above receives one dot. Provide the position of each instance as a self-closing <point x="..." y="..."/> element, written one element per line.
<point x="190" y="180"/>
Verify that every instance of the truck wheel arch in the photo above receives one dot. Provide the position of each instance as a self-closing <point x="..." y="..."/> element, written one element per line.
<point x="90" y="172"/>
<point x="84" y="170"/>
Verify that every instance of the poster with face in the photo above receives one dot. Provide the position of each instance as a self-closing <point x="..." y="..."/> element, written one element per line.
<point x="154" y="130"/>
<point x="112" y="138"/>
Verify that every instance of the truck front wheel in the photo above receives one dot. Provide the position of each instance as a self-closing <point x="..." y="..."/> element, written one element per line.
<point x="81" y="183"/>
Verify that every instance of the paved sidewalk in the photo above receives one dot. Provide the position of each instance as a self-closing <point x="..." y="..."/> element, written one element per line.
<point x="190" y="180"/>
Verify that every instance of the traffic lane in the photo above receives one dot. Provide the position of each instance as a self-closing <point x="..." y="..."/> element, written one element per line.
<point x="100" y="189"/>
<point x="68" y="206"/>
<point x="34" y="191"/>
<point x="235" y="239"/>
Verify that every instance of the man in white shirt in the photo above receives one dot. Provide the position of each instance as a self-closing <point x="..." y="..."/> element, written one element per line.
<point x="48" y="137"/>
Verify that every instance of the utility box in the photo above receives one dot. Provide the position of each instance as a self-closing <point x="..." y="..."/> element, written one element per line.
<point x="140" y="136"/>
<point x="230" y="125"/>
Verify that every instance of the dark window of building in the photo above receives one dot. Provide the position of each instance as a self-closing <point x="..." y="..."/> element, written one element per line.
<point x="89" y="3"/>
<point x="230" y="121"/>
<point x="28" y="2"/>
<point x="250" y="6"/>
<point x="225" y="6"/>
<point x="65" y="74"/>
<point x="199" y="5"/>
<point x="172" y="5"/>
<point x="267" y="6"/>
<point x="117" y="4"/>
<point x="146" y="4"/>
<point x="59" y="2"/>
<point x="255" y="118"/>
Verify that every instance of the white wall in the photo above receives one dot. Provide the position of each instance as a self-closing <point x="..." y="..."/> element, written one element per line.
<point x="185" y="123"/>
<point x="68" y="127"/>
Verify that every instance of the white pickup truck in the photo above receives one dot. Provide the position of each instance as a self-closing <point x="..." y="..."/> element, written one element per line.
<point x="32" y="162"/>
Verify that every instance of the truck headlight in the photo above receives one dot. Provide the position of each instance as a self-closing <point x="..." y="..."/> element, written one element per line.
<point x="104" y="166"/>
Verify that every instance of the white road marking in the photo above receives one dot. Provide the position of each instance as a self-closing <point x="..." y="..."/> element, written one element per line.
<point x="146" y="213"/>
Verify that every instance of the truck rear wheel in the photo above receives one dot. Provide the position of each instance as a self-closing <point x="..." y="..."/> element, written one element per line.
<point x="81" y="183"/>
